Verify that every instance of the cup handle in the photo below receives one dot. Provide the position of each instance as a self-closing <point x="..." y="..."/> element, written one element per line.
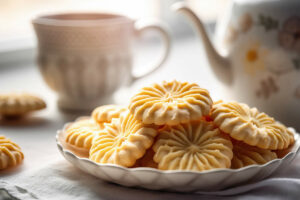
<point x="142" y="26"/>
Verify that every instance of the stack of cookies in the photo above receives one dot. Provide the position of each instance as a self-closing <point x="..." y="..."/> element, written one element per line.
<point x="176" y="126"/>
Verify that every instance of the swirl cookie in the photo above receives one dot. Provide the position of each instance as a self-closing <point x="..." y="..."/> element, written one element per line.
<point x="147" y="160"/>
<point x="170" y="103"/>
<point x="122" y="141"/>
<point x="80" y="134"/>
<point x="251" y="126"/>
<point x="10" y="153"/>
<point x="104" y="114"/>
<point x="283" y="152"/>
<point x="244" y="155"/>
<point x="193" y="146"/>
<point x="17" y="104"/>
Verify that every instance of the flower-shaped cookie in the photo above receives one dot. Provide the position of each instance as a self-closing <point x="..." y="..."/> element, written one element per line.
<point x="244" y="155"/>
<point x="10" y="153"/>
<point x="283" y="152"/>
<point x="104" y="114"/>
<point x="81" y="133"/>
<point x="170" y="103"/>
<point x="196" y="146"/>
<point x="251" y="126"/>
<point x="17" y="104"/>
<point x="122" y="141"/>
<point x="147" y="160"/>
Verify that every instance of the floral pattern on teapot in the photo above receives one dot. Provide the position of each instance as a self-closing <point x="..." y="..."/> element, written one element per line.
<point x="281" y="57"/>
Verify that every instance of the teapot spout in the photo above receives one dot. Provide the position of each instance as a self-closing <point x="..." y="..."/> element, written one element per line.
<point x="220" y="64"/>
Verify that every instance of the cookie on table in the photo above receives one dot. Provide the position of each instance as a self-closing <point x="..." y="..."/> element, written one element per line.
<point x="244" y="155"/>
<point x="10" y="153"/>
<point x="251" y="126"/>
<point x="170" y="103"/>
<point x="79" y="135"/>
<point x="18" y="104"/>
<point x="196" y="146"/>
<point x="104" y="114"/>
<point x="123" y="141"/>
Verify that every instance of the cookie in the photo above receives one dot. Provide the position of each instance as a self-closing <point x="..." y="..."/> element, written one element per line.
<point x="104" y="114"/>
<point x="283" y="152"/>
<point x="251" y="126"/>
<point x="80" y="134"/>
<point x="170" y="103"/>
<point x="244" y="155"/>
<point x="195" y="146"/>
<point x="122" y="141"/>
<point x="10" y="153"/>
<point x="18" y="104"/>
<point x="147" y="160"/>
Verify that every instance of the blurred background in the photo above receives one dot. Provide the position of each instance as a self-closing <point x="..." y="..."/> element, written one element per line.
<point x="17" y="40"/>
<point x="18" y="43"/>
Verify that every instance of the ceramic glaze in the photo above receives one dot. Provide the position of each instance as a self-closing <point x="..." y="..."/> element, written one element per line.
<point x="86" y="57"/>
<point x="260" y="60"/>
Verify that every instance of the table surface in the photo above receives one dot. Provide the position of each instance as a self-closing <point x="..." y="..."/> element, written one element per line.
<point x="36" y="133"/>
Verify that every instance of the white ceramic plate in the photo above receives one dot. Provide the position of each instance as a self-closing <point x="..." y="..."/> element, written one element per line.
<point x="180" y="181"/>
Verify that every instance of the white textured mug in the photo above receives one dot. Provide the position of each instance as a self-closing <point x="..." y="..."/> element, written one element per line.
<point x="86" y="57"/>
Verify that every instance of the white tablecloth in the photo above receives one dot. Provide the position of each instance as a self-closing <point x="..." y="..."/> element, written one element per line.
<point x="60" y="180"/>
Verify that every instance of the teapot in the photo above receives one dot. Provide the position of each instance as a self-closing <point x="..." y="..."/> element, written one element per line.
<point x="257" y="54"/>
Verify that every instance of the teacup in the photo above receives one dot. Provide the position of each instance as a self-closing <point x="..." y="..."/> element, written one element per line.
<point x="86" y="57"/>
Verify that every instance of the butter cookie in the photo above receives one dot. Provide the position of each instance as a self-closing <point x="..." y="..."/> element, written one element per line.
<point x="104" y="114"/>
<point x="10" y="153"/>
<point x="170" y="103"/>
<point x="18" y="104"/>
<point x="122" y="141"/>
<point x="80" y="135"/>
<point x="251" y="126"/>
<point x="196" y="146"/>
<point x="244" y="155"/>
